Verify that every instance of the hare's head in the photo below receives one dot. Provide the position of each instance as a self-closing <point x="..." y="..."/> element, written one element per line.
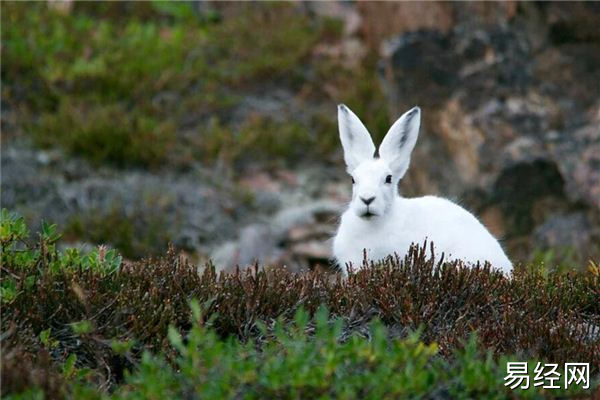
<point x="375" y="174"/>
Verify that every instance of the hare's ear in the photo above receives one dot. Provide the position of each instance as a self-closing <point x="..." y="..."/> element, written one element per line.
<point x="400" y="141"/>
<point x="356" y="141"/>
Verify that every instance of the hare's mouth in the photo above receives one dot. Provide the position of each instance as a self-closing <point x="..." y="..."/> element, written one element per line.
<point x="368" y="215"/>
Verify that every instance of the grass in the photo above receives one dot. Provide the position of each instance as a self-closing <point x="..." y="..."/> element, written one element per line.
<point x="91" y="326"/>
<point x="268" y="141"/>
<point x="121" y="232"/>
<point x="119" y="83"/>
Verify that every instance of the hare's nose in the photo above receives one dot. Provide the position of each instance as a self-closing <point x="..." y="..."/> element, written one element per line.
<point x="367" y="201"/>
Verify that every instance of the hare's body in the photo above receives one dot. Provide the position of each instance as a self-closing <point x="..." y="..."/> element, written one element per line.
<point x="382" y="223"/>
<point x="453" y="231"/>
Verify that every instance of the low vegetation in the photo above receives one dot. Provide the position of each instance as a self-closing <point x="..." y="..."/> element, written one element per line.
<point x="158" y="83"/>
<point x="92" y="326"/>
<point x="121" y="231"/>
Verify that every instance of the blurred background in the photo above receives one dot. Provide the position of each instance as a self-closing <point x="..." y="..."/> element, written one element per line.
<point x="213" y="125"/>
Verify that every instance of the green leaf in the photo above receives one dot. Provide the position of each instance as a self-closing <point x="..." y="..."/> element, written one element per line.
<point x="69" y="366"/>
<point x="49" y="232"/>
<point x="8" y="290"/>
<point x="30" y="281"/>
<point x="45" y="337"/>
<point x="82" y="327"/>
<point x="121" y="347"/>
<point x="175" y="339"/>
<point x="301" y="318"/>
<point x="196" y="310"/>
<point x="12" y="227"/>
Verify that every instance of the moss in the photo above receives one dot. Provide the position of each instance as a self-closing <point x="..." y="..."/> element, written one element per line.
<point x="363" y="94"/>
<point x="359" y="88"/>
<point x="120" y="231"/>
<point x="558" y="259"/>
<point x="101" y="229"/>
<point x="287" y="139"/>
<point x="269" y="141"/>
<point x="120" y="83"/>
<point x="325" y="130"/>
<point x="104" y="132"/>
<point x="270" y="43"/>
<point x="115" y="83"/>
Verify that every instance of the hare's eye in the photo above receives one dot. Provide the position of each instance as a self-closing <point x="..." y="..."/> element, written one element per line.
<point x="353" y="181"/>
<point x="388" y="179"/>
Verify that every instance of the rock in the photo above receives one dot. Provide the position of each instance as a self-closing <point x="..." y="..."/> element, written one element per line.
<point x="141" y="211"/>
<point x="305" y="232"/>
<point x="462" y="138"/>
<point x="315" y="251"/>
<point x="304" y="215"/>
<point x="256" y="244"/>
<point x="578" y="158"/>
<point x="382" y="19"/>
<point x="297" y="237"/>
<point x="567" y="233"/>
<point x="61" y="6"/>
<point x="493" y="221"/>
<point x="224" y="256"/>
<point x="260" y="181"/>
<point x="510" y="112"/>
<point x="521" y="190"/>
<point x="340" y="10"/>
<point x="150" y="208"/>
<point x="350" y="49"/>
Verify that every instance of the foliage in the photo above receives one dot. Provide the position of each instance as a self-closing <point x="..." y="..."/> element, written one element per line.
<point x="75" y="324"/>
<point x="121" y="231"/>
<point x="561" y="258"/>
<point x="287" y="140"/>
<point x="142" y="83"/>
<point x="24" y="258"/>
<point x="294" y="364"/>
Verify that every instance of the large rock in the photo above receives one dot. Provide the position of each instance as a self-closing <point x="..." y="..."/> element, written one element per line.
<point x="298" y="237"/>
<point x="278" y="218"/>
<point x="569" y="234"/>
<point x="511" y="115"/>
<point x="145" y="209"/>
<point x="381" y="20"/>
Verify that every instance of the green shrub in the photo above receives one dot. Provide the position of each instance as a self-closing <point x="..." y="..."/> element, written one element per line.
<point x="106" y="133"/>
<point x="265" y="140"/>
<point x="304" y="359"/>
<point x="116" y="84"/>
<point x="156" y="83"/>
<point x="73" y="323"/>
<point x="24" y="258"/>
<point x="121" y="231"/>
<point x="294" y="364"/>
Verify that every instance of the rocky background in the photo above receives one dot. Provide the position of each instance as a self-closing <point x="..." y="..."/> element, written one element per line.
<point x="242" y="162"/>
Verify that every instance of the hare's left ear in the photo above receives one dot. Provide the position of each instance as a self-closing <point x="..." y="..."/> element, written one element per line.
<point x="356" y="140"/>
<point x="400" y="141"/>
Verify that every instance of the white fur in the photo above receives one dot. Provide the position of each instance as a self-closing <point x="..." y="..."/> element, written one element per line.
<point x="389" y="224"/>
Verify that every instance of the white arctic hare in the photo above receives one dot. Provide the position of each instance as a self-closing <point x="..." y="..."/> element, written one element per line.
<point x="381" y="222"/>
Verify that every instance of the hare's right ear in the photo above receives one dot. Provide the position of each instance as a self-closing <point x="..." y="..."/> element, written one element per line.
<point x="400" y="140"/>
<point x="356" y="141"/>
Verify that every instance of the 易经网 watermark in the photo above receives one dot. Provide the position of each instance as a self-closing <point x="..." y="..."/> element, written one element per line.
<point x="547" y="376"/>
